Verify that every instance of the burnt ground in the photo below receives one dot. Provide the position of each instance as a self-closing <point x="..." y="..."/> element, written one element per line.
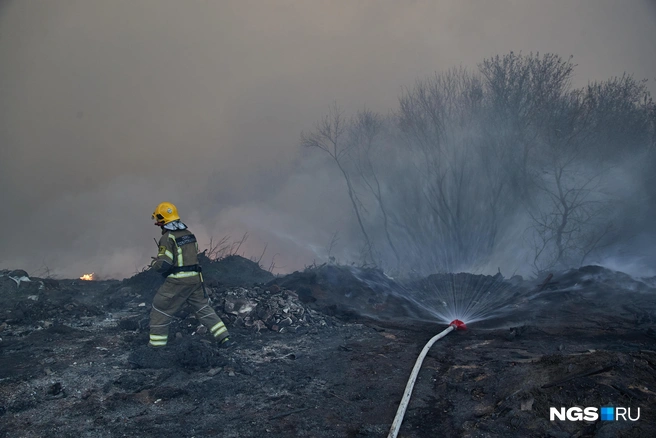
<point x="73" y="360"/>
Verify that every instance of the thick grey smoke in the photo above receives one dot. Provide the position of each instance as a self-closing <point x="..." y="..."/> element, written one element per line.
<point x="107" y="108"/>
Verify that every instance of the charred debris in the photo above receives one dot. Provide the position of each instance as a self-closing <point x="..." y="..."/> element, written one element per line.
<point x="326" y="352"/>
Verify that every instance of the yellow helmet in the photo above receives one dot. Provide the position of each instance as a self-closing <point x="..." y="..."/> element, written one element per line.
<point x="165" y="213"/>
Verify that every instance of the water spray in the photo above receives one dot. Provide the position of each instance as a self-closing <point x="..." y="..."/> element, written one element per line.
<point x="456" y="324"/>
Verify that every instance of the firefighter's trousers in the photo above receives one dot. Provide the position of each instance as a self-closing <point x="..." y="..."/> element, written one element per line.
<point x="172" y="295"/>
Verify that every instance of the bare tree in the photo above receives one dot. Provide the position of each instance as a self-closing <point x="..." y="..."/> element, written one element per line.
<point x="366" y="129"/>
<point x="621" y="115"/>
<point x="330" y="137"/>
<point x="585" y="134"/>
<point x="518" y="89"/>
<point x="466" y="150"/>
<point x="570" y="223"/>
<point x="440" y="120"/>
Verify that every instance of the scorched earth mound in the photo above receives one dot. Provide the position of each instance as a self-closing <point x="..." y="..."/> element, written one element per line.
<point x="326" y="353"/>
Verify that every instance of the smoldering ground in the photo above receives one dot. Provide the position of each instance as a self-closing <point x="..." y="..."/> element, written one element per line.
<point x="111" y="107"/>
<point x="309" y="363"/>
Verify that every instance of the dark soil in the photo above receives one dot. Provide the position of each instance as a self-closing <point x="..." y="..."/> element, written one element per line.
<point x="324" y="353"/>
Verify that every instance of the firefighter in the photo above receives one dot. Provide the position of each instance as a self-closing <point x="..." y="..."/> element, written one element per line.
<point x="177" y="260"/>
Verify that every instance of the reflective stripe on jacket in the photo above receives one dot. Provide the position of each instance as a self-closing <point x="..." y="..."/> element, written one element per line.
<point x="177" y="248"/>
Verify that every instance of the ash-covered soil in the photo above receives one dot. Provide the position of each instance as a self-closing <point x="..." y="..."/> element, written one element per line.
<point x="325" y="353"/>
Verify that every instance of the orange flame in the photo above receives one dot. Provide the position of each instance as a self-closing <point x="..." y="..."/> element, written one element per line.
<point x="88" y="277"/>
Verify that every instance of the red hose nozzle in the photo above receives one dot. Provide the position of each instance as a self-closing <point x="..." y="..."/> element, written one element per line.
<point x="459" y="325"/>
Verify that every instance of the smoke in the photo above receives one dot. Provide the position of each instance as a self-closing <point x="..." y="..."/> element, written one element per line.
<point x="108" y="108"/>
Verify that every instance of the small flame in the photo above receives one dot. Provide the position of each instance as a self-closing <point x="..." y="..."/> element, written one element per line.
<point x="88" y="277"/>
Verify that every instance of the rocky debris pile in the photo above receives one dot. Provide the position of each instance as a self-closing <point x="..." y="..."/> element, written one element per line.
<point x="257" y="309"/>
<point x="271" y="308"/>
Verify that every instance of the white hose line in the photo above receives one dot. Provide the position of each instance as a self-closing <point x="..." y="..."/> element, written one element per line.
<point x="396" y="425"/>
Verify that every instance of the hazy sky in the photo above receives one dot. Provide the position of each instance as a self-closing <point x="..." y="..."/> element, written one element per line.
<point x="108" y="107"/>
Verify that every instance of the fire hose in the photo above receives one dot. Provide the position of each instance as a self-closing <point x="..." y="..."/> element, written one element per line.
<point x="456" y="324"/>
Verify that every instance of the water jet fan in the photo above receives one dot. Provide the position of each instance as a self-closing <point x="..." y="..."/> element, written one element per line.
<point x="456" y="324"/>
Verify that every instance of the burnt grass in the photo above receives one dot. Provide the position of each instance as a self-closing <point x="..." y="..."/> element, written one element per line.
<point x="309" y="363"/>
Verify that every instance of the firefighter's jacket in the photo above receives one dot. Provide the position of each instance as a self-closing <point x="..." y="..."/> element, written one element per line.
<point x="177" y="256"/>
<point x="177" y="259"/>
